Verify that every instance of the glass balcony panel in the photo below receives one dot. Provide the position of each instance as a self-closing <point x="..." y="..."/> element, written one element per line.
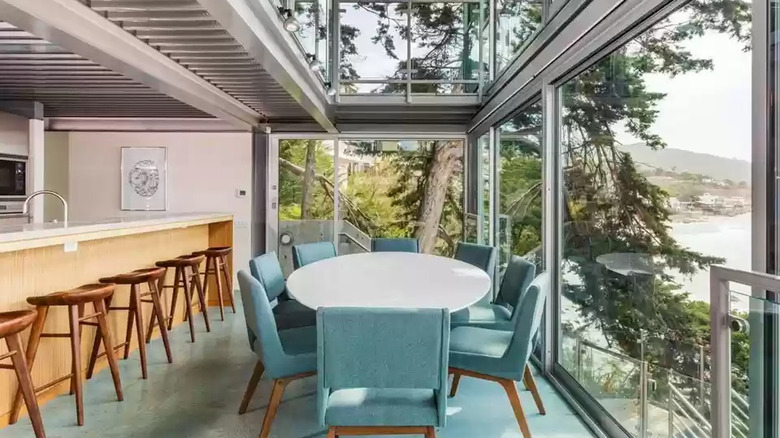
<point x="314" y="35"/>
<point x="445" y="41"/>
<point x="374" y="43"/>
<point x="516" y="22"/>
<point x="373" y="87"/>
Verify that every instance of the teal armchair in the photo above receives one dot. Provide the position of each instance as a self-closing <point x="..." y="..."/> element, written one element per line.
<point x="307" y="253"/>
<point x="382" y="370"/>
<point x="283" y="355"/>
<point x="288" y="313"/>
<point x="503" y="312"/>
<point x="481" y="256"/>
<point x="502" y="356"/>
<point x="385" y="244"/>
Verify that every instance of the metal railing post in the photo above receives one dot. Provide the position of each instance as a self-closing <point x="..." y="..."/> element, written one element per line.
<point x="720" y="396"/>
<point x="670" y="404"/>
<point x="643" y="403"/>
<point x="578" y="360"/>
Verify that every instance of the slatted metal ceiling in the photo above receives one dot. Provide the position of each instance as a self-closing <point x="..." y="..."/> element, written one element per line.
<point x="71" y="86"/>
<point x="184" y="31"/>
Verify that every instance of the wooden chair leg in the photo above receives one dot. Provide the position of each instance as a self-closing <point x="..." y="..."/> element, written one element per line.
<point x="75" y="350"/>
<point x="332" y="432"/>
<point x="158" y="310"/>
<point x="257" y="374"/>
<point x="431" y="432"/>
<point x="174" y="297"/>
<point x="273" y="405"/>
<point x="98" y="338"/>
<point x="108" y="345"/>
<point x="514" y="400"/>
<point x="188" y="305"/>
<point x="153" y="319"/>
<point x="218" y="282"/>
<point x="131" y="309"/>
<point x="25" y="384"/>
<point x="204" y="305"/>
<point x="530" y="383"/>
<point x="228" y="282"/>
<point x="139" y="322"/>
<point x="76" y="376"/>
<point x="455" y="383"/>
<point x="32" y="349"/>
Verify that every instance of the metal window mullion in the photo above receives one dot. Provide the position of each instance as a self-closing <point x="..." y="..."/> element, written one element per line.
<point x="336" y="216"/>
<point x="551" y="224"/>
<point x="481" y="48"/>
<point x="335" y="48"/>
<point x="720" y="402"/>
<point x="409" y="52"/>
<point x="492" y="187"/>
<point x="492" y="40"/>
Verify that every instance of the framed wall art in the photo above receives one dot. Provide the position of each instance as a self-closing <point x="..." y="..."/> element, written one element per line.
<point x="144" y="178"/>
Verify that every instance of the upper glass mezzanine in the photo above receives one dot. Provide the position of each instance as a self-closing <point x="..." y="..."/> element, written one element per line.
<point x="413" y="47"/>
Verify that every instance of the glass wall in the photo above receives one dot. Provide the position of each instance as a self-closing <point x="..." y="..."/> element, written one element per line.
<point x="384" y="186"/>
<point x="412" y="47"/>
<point x="379" y="188"/>
<point x="655" y="149"/>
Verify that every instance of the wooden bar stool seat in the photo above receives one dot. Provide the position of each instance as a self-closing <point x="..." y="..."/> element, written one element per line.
<point x="11" y="324"/>
<point x="75" y="300"/>
<point x="187" y="277"/>
<point x="217" y="265"/>
<point x="134" y="279"/>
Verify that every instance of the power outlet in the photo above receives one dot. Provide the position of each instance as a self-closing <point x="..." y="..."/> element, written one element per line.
<point x="70" y="247"/>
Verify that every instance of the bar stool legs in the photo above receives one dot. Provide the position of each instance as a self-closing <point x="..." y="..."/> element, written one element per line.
<point x="74" y="301"/>
<point x="216" y="265"/>
<point x="187" y="277"/>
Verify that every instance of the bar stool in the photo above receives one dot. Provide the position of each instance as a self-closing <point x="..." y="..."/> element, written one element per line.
<point x="217" y="265"/>
<point x="186" y="276"/>
<point x="134" y="279"/>
<point x="75" y="300"/>
<point x="11" y="324"/>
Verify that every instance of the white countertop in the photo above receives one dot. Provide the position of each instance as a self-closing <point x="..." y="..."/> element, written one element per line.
<point x="31" y="232"/>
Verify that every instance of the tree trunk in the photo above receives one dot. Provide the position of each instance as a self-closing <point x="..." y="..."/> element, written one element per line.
<point x="446" y="157"/>
<point x="307" y="191"/>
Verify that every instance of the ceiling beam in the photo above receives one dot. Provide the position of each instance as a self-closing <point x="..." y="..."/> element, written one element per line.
<point x="77" y="28"/>
<point x="255" y="25"/>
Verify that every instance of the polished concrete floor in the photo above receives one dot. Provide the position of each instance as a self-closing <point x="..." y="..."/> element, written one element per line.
<point x="198" y="396"/>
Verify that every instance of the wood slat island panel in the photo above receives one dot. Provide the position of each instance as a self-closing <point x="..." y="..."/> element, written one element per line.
<point x="44" y="267"/>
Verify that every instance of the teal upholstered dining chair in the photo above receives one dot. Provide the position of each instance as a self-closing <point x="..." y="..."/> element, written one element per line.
<point x="307" y="253"/>
<point x="283" y="356"/>
<point x="503" y="312"/>
<point x="502" y="356"/>
<point x="481" y="256"/>
<point x="288" y="313"/>
<point x="399" y="244"/>
<point x="382" y="371"/>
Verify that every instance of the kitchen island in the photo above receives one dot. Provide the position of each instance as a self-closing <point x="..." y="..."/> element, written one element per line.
<point x="38" y="259"/>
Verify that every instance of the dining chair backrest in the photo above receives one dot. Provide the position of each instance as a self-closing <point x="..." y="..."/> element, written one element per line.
<point x="260" y="323"/>
<point x="481" y="256"/>
<point x="518" y="276"/>
<point x="530" y="308"/>
<point x="267" y="270"/>
<point x="397" y="244"/>
<point x="307" y="253"/>
<point x="382" y="347"/>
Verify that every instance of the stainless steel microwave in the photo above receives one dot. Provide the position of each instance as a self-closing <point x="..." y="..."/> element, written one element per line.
<point x="13" y="176"/>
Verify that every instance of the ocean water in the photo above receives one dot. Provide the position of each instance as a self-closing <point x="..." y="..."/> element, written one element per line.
<point x="719" y="236"/>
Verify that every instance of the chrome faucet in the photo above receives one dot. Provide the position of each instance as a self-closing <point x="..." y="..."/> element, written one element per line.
<point x="26" y="205"/>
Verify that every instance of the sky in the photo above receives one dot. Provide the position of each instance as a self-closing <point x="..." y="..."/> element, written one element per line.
<point x="708" y="111"/>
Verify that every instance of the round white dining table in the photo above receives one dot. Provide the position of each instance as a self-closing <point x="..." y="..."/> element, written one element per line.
<point x="389" y="279"/>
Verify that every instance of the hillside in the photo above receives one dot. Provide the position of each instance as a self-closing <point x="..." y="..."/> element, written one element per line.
<point x="679" y="161"/>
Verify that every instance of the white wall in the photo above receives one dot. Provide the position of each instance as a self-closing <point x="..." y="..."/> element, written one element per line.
<point x="204" y="172"/>
<point x="14" y="134"/>
<point x="55" y="174"/>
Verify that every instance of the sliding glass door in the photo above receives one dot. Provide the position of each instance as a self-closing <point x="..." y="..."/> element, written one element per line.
<point x="348" y="190"/>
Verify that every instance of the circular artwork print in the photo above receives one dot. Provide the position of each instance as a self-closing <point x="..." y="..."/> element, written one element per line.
<point x="144" y="177"/>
